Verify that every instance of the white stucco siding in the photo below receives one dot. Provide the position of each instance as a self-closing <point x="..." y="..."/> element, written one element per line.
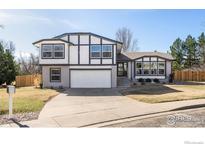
<point x="95" y="40"/>
<point x="168" y="67"/>
<point x="73" y="54"/>
<point x="64" y="76"/>
<point x="64" y="38"/>
<point x="84" y="54"/>
<point x="54" y="61"/>
<point x="114" y="54"/>
<point x="73" y="39"/>
<point x="84" y="39"/>
<point x="104" y="41"/>
<point x="95" y="61"/>
<point x="106" y="61"/>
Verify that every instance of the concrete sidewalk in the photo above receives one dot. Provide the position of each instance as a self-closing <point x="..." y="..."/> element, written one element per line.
<point x="87" y="107"/>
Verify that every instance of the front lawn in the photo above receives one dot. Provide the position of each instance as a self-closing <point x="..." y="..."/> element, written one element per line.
<point x="165" y="93"/>
<point x="26" y="99"/>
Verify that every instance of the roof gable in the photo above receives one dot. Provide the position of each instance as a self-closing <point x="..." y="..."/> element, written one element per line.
<point x="88" y="33"/>
<point x="137" y="55"/>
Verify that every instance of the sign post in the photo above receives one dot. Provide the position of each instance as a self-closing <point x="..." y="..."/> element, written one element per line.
<point x="10" y="90"/>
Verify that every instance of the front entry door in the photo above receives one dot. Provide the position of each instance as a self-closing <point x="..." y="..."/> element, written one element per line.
<point x="122" y="69"/>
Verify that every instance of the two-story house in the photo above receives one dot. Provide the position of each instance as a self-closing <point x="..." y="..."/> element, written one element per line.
<point x="87" y="60"/>
<point x="79" y="60"/>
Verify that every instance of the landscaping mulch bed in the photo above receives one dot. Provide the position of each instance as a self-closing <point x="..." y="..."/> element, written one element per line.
<point x="4" y="119"/>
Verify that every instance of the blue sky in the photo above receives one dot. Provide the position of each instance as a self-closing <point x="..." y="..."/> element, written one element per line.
<point x="154" y="29"/>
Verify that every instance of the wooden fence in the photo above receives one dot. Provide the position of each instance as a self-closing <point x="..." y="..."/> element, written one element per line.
<point x="28" y="80"/>
<point x="189" y="75"/>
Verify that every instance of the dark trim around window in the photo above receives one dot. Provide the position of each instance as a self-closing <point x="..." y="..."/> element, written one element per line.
<point x="165" y="70"/>
<point x="51" y="74"/>
<point x="52" y="53"/>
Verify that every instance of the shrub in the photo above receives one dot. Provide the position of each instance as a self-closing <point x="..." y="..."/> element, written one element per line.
<point x="140" y="80"/>
<point x="156" y="80"/>
<point x="148" y="80"/>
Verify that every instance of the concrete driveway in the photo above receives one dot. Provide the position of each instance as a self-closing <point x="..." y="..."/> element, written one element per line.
<point x="82" y="107"/>
<point x="98" y="107"/>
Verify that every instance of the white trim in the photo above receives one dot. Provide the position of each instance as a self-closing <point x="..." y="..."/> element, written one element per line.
<point x="150" y="77"/>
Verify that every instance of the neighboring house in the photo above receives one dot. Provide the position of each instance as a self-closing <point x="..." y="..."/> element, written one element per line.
<point x="87" y="60"/>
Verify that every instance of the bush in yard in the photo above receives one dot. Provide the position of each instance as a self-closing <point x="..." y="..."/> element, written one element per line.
<point x="141" y="80"/>
<point x="156" y="80"/>
<point x="148" y="80"/>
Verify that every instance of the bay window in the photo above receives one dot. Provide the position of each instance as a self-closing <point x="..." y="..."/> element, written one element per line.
<point x="154" y="68"/>
<point x="150" y="66"/>
<point x="146" y="68"/>
<point x="161" y="68"/>
<point x="139" y="67"/>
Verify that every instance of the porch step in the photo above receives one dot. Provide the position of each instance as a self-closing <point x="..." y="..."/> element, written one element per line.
<point x="123" y="82"/>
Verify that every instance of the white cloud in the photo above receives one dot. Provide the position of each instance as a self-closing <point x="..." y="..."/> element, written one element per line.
<point x="11" y="18"/>
<point x="7" y="18"/>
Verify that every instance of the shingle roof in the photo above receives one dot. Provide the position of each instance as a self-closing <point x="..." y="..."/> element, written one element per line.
<point x="135" y="55"/>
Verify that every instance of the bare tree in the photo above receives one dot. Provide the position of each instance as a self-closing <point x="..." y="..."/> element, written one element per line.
<point x="125" y="36"/>
<point x="29" y="65"/>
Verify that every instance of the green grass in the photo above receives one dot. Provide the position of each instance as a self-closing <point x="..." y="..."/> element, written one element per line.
<point x="165" y="93"/>
<point x="26" y="99"/>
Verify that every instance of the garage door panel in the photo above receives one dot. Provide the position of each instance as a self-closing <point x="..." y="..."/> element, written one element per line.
<point x="90" y="78"/>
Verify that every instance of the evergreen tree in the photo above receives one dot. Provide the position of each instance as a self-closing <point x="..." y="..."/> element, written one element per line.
<point x="191" y="52"/>
<point x="8" y="66"/>
<point x="178" y="53"/>
<point x="201" y="47"/>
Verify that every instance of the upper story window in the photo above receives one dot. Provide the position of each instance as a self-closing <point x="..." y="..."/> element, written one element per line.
<point x="95" y="51"/>
<point x="46" y="51"/>
<point x="107" y="51"/>
<point x="53" y="51"/>
<point x="59" y="51"/>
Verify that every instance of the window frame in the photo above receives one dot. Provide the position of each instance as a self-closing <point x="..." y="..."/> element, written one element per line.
<point x="53" y="75"/>
<point x="107" y="51"/>
<point x="53" y="52"/>
<point x="58" y="51"/>
<point x="142" y="61"/>
<point x="97" y="52"/>
<point x="152" y="68"/>
<point x="45" y="51"/>
<point x="161" y="68"/>
<point x="137" y="68"/>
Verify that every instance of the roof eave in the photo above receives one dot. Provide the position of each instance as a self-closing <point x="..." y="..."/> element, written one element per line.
<point x="34" y="43"/>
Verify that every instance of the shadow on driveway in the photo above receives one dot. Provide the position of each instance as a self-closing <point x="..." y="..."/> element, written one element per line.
<point x="92" y="92"/>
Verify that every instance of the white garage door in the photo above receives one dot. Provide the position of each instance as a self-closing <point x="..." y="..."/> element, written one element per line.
<point x="90" y="78"/>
